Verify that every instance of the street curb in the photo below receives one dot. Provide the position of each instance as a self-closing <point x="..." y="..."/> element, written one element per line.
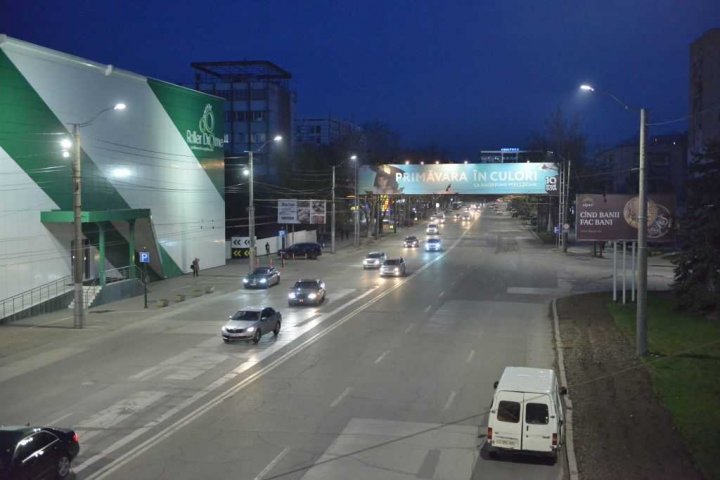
<point x="569" y="441"/>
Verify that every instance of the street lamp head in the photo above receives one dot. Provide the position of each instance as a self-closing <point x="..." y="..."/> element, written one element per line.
<point x="246" y="172"/>
<point x="65" y="143"/>
<point x="586" y="88"/>
<point x="407" y="162"/>
<point x="353" y="157"/>
<point x="66" y="154"/>
<point x="119" y="106"/>
<point x="277" y="138"/>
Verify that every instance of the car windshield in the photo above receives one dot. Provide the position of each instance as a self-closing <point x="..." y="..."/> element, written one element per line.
<point x="247" y="315"/>
<point x="393" y="261"/>
<point x="261" y="271"/>
<point x="410" y="239"/>
<point x="375" y="255"/>
<point x="432" y="225"/>
<point x="433" y="240"/>
<point x="306" y="285"/>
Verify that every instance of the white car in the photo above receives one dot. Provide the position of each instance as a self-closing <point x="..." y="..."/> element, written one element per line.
<point x="433" y="245"/>
<point x="374" y="260"/>
<point x="432" y="229"/>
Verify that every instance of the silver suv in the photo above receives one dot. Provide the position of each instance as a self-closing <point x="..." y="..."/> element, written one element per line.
<point x="393" y="267"/>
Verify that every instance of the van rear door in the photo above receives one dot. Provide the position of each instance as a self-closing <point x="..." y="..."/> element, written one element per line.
<point x="507" y="432"/>
<point x="537" y="425"/>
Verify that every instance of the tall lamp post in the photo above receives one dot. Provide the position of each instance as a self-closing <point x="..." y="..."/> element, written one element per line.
<point x="251" y="205"/>
<point x="78" y="254"/>
<point x="356" y="216"/>
<point x="332" y="217"/>
<point x="641" y="312"/>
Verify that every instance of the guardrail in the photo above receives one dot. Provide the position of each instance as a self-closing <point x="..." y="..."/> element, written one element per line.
<point x="35" y="296"/>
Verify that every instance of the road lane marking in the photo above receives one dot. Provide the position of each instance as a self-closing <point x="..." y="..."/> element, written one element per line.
<point x="339" y="399"/>
<point x="35" y="362"/>
<point x="380" y="358"/>
<point x="449" y="400"/>
<point x="427" y="309"/>
<point x="272" y="464"/>
<point x="442" y="293"/>
<point x="140" y="448"/>
<point x="55" y="422"/>
<point x="410" y="327"/>
<point x="470" y="356"/>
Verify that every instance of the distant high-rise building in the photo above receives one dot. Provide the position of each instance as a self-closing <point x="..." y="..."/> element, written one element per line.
<point x="704" y="90"/>
<point x="322" y="131"/>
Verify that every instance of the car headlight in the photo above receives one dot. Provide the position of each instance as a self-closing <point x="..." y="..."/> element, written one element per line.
<point x="397" y="270"/>
<point x="312" y="296"/>
<point x="263" y="280"/>
<point x="250" y="329"/>
<point x="291" y="295"/>
<point x="245" y="280"/>
<point x="224" y="329"/>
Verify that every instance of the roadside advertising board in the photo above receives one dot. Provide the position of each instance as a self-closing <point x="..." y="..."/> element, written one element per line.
<point x="301" y="211"/>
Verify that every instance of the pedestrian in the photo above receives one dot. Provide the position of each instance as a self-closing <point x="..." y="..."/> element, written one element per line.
<point x="196" y="267"/>
<point x="267" y="248"/>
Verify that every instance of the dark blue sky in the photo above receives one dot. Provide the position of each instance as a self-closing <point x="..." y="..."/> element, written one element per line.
<point x="463" y="75"/>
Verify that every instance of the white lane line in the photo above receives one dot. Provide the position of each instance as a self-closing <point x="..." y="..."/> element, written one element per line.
<point x="442" y="293"/>
<point x="55" y="422"/>
<point x="427" y="309"/>
<point x="339" y="399"/>
<point x="272" y="464"/>
<point x="410" y="327"/>
<point x="449" y="400"/>
<point x="211" y="403"/>
<point x="380" y="358"/>
<point x="470" y="356"/>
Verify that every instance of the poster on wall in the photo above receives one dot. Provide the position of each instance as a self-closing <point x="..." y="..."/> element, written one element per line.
<point x="615" y="217"/>
<point x="293" y="211"/>
<point x="478" y="179"/>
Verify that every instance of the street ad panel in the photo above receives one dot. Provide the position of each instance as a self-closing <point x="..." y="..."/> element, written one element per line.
<point x="293" y="211"/>
<point x="615" y="217"/>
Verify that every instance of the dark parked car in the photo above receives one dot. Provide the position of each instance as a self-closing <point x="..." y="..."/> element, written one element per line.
<point x="251" y="323"/>
<point x="309" y="249"/>
<point x="262" y="277"/>
<point x="411" y="242"/>
<point x="37" y="452"/>
<point x="307" y="291"/>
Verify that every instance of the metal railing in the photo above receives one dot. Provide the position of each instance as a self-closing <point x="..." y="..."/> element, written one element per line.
<point x="25" y="301"/>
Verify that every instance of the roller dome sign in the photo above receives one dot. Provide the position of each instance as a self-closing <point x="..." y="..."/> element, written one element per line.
<point x="479" y="179"/>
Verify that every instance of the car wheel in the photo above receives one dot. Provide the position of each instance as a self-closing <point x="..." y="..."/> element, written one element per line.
<point x="226" y="340"/>
<point x="63" y="467"/>
<point x="276" y="330"/>
<point x="256" y="338"/>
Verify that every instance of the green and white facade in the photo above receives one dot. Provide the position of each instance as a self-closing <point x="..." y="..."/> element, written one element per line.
<point x="152" y="175"/>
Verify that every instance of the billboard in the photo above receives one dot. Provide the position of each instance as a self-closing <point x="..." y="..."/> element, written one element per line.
<point x="301" y="211"/>
<point x="614" y="217"/>
<point x="479" y="179"/>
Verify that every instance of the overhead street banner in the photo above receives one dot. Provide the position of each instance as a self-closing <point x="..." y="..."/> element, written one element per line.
<point x="301" y="211"/>
<point x="615" y="217"/>
<point x="478" y="179"/>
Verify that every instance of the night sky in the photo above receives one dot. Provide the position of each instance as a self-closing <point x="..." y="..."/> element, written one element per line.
<point x="461" y="75"/>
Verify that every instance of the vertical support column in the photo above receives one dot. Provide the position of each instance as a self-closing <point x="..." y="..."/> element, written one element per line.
<point x="614" y="271"/>
<point x="332" y="218"/>
<point x="624" y="272"/>
<point x="641" y="312"/>
<point x="131" y="248"/>
<point x="634" y="272"/>
<point x="101" y="248"/>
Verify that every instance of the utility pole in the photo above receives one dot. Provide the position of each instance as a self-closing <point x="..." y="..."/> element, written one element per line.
<point x="566" y="207"/>
<point x="641" y="320"/>
<point x="332" y="218"/>
<point x="251" y="211"/>
<point x="79" y="260"/>
<point x="356" y="241"/>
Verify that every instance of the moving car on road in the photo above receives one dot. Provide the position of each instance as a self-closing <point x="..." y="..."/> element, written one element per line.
<point x="307" y="292"/>
<point x="393" y="267"/>
<point x="251" y="323"/>
<point x="301" y="250"/>
<point x="374" y="260"/>
<point x="262" y="277"/>
<point x="432" y="229"/>
<point x="433" y="245"/>
<point x="37" y="452"/>
<point x="411" y="242"/>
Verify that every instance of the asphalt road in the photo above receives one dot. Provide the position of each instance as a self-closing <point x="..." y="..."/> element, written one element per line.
<point x="389" y="379"/>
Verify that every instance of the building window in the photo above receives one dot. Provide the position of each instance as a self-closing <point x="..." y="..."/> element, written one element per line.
<point x="258" y="116"/>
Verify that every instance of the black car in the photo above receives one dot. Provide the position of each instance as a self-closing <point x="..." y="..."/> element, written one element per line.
<point x="411" y="242"/>
<point x="262" y="277"/>
<point x="37" y="452"/>
<point x="307" y="292"/>
<point x="301" y="250"/>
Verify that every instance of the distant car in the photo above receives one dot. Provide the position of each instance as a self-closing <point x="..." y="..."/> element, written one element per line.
<point x="411" y="242"/>
<point x="262" y="277"/>
<point x="456" y="216"/>
<point x="307" y="292"/>
<point x="432" y="229"/>
<point x="251" y="323"/>
<point x="37" y="452"/>
<point x="432" y="218"/>
<point x="466" y="217"/>
<point x="304" y="249"/>
<point x="433" y="245"/>
<point x="393" y="267"/>
<point x="374" y="260"/>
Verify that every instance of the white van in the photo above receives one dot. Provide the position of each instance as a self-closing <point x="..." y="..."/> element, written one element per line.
<point x="527" y="414"/>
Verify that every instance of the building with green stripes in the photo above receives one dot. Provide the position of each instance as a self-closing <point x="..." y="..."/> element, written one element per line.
<point x="152" y="174"/>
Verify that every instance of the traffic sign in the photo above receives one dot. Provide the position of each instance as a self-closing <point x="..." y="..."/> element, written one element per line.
<point x="240" y="242"/>
<point x="144" y="257"/>
<point x="240" y="252"/>
<point x="566" y="227"/>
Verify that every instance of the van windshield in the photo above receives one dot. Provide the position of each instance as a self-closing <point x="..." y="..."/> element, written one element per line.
<point x="536" y="414"/>
<point x="508" y="412"/>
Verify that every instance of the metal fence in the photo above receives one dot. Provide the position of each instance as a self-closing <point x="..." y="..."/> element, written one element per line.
<point x="31" y="301"/>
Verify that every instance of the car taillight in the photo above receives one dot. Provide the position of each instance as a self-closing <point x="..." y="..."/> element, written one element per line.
<point x="554" y="440"/>
<point x="75" y="438"/>
<point x="489" y="436"/>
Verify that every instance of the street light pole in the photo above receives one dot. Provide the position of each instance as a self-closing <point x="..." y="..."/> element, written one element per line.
<point x="332" y="218"/>
<point x="356" y="239"/>
<point x="251" y="211"/>
<point x="641" y="313"/>
<point x="78" y="251"/>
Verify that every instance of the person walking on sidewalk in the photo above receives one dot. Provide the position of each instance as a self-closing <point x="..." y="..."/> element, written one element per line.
<point x="267" y="248"/>
<point x="196" y="267"/>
